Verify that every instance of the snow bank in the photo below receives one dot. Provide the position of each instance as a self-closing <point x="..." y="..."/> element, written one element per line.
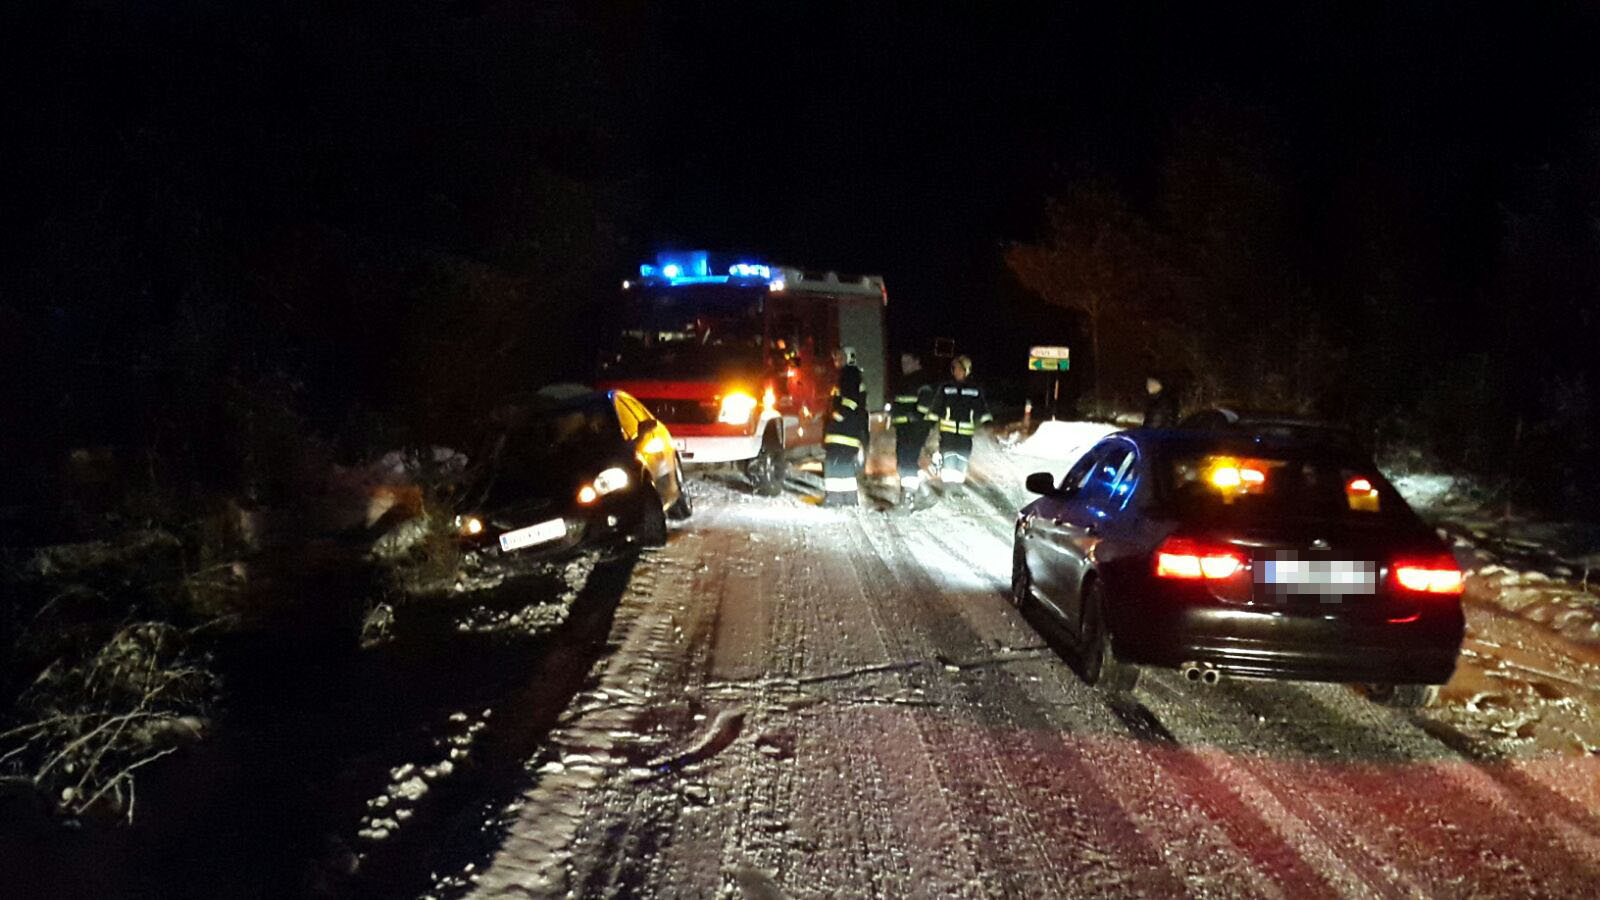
<point x="1529" y="671"/>
<point x="1570" y="609"/>
<point x="1423" y="490"/>
<point x="1062" y="441"/>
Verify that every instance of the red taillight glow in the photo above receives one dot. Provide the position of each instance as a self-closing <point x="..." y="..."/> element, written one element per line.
<point x="1440" y="576"/>
<point x="1359" y="486"/>
<point x="1182" y="558"/>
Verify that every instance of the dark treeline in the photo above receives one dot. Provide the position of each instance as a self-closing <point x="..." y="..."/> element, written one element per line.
<point x="1409" y="243"/>
<point x="232" y="228"/>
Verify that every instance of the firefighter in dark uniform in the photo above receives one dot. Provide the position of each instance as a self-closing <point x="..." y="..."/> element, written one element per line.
<point x="959" y="407"/>
<point x="844" y="435"/>
<point x="908" y="413"/>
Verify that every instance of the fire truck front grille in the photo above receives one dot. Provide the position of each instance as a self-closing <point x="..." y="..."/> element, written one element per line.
<point x="682" y="412"/>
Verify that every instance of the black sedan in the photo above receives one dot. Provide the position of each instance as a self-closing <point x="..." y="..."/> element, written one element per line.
<point x="1222" y="554"/>
<point x="591" y="469"/>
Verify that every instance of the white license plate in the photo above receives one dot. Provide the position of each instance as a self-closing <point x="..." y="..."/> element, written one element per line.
<point x="533" y="534"/>
<point x="1321" y="576"/>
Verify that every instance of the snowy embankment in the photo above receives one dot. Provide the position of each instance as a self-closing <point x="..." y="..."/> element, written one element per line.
<point x="1053" y="447"/>
<point x="1529" y="673"/>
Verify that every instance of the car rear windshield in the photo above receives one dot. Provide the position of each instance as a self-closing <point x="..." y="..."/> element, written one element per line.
<point x="1249" y="485"/>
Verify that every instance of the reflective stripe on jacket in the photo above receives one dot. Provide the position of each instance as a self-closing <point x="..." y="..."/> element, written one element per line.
<point x="912" y="400"/>
<point x="959" y="408"/>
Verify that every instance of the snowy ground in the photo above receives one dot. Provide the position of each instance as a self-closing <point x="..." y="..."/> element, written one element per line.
<point x="811" y="702"/>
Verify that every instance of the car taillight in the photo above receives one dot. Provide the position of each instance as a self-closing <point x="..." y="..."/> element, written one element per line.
<point x="1431" y="576"/>
<point x="1186" y="558"/>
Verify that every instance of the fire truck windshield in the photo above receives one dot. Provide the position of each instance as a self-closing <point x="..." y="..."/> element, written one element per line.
<point x="694" y="331"/>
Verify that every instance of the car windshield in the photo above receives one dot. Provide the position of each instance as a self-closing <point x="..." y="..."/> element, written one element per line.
<point x="546" y="448"/>
<point x="1251" y="485"/>
<point x="711" y="331"/>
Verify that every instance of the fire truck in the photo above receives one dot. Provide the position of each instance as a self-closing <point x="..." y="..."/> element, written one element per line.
<point x="735" y="357"/>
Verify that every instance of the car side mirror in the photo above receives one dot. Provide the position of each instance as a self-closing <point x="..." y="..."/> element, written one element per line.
<point x="1041" y="483"/>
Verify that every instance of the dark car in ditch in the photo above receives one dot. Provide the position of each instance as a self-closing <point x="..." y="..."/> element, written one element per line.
<point x="571" y="471"/>
<point x="1219" y="554"/>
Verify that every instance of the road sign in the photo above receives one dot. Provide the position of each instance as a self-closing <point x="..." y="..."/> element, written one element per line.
<point x="1048" y="359"/>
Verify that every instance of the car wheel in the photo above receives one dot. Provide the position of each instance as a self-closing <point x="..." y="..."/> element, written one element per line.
<point x="652" y="528"/>
<point x="681" y="508"/>
<point x="766" y="470"/>
<point x="1097" y="660"/>
<point x="1404" y="696"/>
<point x="1021" y="578"/>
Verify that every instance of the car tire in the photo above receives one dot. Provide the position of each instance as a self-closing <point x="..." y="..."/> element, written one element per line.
<point x="1021" y="578"/>
<point x="1097" y="659"/>
<point x="652" y="528"/>
<point x="1404" y="696"/>
<point x="765" y="471"/>
<point x="681" y="508"/>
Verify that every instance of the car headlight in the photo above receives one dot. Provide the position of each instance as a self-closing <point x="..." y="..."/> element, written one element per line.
<point x="736" y="408"/>
<point x="469" y="525"/>
<point x="609" y="480"/>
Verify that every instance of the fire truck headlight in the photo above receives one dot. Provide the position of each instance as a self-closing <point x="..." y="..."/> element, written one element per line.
<point x="736" y="408"/>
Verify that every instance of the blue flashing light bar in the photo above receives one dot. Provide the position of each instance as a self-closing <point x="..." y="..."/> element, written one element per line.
<point x="750" y="270"/>
<point x="694" y="268"/>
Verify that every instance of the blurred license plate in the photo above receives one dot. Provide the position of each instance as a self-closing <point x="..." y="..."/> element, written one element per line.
<point x="1321" y="576"/>
<point x="533" y="534"/>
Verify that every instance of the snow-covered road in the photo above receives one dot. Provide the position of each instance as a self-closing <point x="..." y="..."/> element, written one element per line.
<point x="806" y="702"/>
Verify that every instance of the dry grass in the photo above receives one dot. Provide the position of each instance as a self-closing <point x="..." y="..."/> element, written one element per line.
<point x="90" y="721"/>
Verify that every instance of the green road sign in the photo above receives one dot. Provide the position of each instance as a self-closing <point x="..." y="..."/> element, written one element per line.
<point x="1048" y="359"/>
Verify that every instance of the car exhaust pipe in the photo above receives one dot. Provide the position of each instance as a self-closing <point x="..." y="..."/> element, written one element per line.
<point x="1200" y="673"/>
<point x="1211" y="676"/>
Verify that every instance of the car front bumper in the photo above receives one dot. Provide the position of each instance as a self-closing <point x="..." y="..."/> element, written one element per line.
<point x="697" y="449"/>
<point x="604" y="527"/>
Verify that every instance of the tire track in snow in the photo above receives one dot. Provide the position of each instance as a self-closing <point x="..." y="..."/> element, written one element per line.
<point x="1038" y="784"/>
<point x="924" y="820"/>
<point x="1444" y="823"/>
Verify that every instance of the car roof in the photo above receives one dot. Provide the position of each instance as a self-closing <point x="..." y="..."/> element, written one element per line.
<point x="1190" y="440"/>
<point x="1269" y="424"/>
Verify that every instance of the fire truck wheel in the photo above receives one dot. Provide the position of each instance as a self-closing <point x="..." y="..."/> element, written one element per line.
<point x="766" y="470"/>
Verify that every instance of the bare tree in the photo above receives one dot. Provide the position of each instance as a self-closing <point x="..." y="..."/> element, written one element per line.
<point x="1093" y="260"/>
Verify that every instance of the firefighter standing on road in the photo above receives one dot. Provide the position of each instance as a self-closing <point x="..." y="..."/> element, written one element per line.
<point x="908" y="413"/>
<point x="959" y="407"/>
<point x="845" y="433"/>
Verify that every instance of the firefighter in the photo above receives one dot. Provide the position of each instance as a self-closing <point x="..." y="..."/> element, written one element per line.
<point x="959" y="407"/>
<point x="844" y="434"/>
<point x="908" y="413"/>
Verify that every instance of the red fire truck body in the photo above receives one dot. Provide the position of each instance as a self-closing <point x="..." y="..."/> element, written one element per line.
<point x="739" y="366"/>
